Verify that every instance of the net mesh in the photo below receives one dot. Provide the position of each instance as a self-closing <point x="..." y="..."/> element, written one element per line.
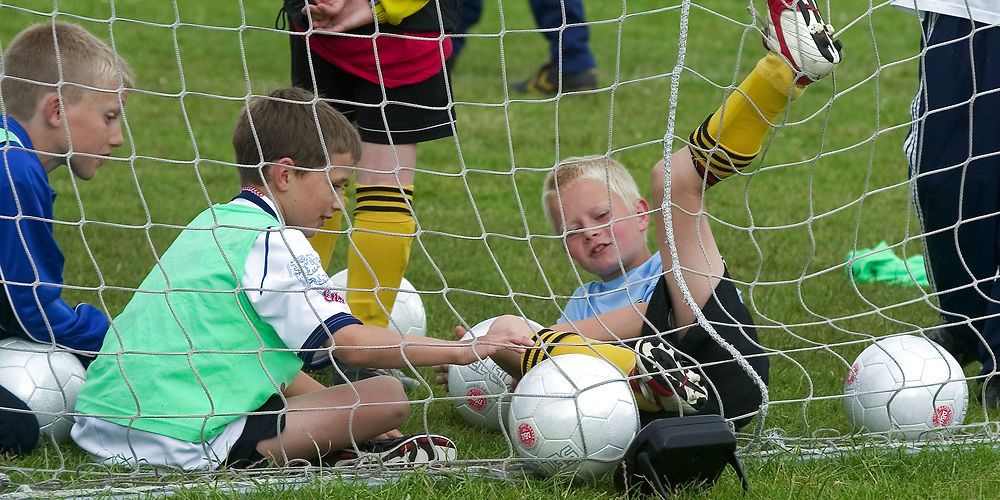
<point x="830" y="181"/>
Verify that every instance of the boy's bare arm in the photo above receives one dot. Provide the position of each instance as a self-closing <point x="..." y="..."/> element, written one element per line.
<point x="622" y="323"/>
<point x="381" y="348"/>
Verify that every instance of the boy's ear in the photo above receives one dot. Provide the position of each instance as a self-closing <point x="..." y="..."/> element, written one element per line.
<point x="642" y="208"/>
<point x="48" y="106"/>
<point x="281" y="173"/>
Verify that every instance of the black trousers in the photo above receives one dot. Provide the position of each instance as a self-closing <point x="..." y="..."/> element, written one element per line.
<point x="956" y="182"/>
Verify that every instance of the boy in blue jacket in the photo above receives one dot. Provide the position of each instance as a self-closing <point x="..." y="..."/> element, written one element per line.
<point x="44" y="125"/>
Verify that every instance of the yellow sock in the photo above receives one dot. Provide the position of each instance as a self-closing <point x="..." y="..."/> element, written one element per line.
<point x="731" y="137"/>
<point x="554" y="343"/>
<point x="379" y="209"/>
<point x="326" y="240"/>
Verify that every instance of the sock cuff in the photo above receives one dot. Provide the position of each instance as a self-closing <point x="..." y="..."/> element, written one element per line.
<point x="715" y="161"/>
<point x="391" y="199"/>
<point x="531" y="357"/>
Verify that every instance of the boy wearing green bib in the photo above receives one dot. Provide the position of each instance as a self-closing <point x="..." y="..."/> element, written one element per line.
<point x="203" y="367"/>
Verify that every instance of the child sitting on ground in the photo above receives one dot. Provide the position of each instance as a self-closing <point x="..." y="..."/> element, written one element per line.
<point x="202" y="367"/>
<point x="60" y="106"/>
<point x="676" y="365"/>
<point x="46" y="124"/>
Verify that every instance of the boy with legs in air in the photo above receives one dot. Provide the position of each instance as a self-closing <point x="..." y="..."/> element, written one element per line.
<point x="202" y="368"/>
<point x="677" y="366"/>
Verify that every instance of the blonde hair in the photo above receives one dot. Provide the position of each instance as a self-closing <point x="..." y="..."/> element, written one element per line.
<point x="31" y="69"/>
<point x="598" y="168"/>
<point x="283" y="125"/>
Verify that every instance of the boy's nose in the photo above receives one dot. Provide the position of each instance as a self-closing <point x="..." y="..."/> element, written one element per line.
<point x="116" y="139"/>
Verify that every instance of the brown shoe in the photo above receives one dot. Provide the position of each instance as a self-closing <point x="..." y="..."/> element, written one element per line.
<point x="546" y="81"/>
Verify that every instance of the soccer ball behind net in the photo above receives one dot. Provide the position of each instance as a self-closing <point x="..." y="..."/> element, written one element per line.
<point x="48" y="382"/>
<point x="905" y="386"/>
<point x="481" y="390"/>
<point x="573" y="414"/>
<point x="408" y="315"/>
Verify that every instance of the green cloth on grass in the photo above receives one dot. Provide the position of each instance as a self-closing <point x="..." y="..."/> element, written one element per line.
<point x="881" y="265"/>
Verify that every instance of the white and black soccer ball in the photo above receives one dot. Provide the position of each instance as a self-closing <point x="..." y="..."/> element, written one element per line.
<point x="481" y="391"/>
<point x="573" y="414"/>
<point x="408" y="315"/>
<point x="47" y="381"/>
<point x="905" y="386"/>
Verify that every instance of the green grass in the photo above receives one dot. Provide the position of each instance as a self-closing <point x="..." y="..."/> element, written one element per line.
<point x="832" y="180"/>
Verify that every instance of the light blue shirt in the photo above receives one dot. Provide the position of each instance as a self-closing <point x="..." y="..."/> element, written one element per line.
<point x="599" y="297"/>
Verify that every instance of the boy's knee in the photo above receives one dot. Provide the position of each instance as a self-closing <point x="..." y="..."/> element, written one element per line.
<point x="392" y="391"/>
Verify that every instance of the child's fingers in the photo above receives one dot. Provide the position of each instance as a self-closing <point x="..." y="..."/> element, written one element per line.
<point x="513" y="339"/>
<point x="440" y="368"/>
<point x="491" y="343"/>
<point x="459" y="332"/>
<point x="522" y="340"/>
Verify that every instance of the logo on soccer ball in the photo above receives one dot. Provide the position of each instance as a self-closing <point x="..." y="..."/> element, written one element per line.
<point x="526" y="435"/>
<point x="852" y="374"/>
<point x="332" y="296"/>
<point x="943" y="415"/>
<point x="477" y="401"/>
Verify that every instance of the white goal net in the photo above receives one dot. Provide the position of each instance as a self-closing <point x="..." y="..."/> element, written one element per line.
<point x="799" y="230"/>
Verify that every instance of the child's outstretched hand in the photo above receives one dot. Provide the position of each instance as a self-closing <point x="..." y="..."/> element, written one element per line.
<point x="494" y="341"/>
<point x="442" y="369"/>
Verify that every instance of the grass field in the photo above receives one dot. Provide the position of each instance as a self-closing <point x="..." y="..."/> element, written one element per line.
<point x="831" y="180"/>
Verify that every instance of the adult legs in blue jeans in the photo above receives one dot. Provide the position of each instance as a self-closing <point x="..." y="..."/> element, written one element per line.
<point x="563" y="25"/>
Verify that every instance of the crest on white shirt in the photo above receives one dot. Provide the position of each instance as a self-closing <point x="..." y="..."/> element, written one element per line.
<point x="308" y="269"/>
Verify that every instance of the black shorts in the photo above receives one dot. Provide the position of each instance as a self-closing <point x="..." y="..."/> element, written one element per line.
<point x="18" y="426"/>
<point x="265" y="423"/>
<point x="413" y="113"/>
<point x="732" y="392"/>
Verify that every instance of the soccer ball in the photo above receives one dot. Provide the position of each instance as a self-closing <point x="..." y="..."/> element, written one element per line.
<point x="573" y="414"/>
<point x="48" y="382"/>
<point x="481" y="391"/>
<point x="408" y="316"/>
<point x="905" y="386"/>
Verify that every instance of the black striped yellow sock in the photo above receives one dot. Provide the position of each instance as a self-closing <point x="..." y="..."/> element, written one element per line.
<point x="383" y="231"/>
<point x="730" y="138"/>
<point x="551" y="343"/>
<point x="325" y="240"/>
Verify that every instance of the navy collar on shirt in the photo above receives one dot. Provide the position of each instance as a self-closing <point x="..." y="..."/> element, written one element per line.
<point x="253" y="195"/>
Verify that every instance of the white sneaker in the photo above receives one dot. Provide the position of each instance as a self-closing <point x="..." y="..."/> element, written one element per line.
<point x="795" y="29"/>
<point x="411" y="450"/>
<point x="665" y="379"/>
